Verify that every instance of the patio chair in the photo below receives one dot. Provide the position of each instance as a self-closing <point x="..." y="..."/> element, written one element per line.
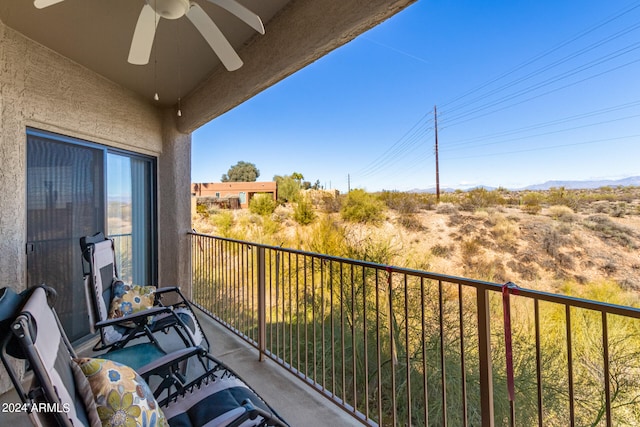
<point x="71" y="391"/>
<point x="122" y="312"/>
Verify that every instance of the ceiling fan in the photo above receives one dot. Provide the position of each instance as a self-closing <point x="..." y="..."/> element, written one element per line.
<point x="153" y="10"/>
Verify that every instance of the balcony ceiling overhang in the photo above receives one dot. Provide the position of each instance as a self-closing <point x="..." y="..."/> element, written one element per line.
<point x="97" y="35"/>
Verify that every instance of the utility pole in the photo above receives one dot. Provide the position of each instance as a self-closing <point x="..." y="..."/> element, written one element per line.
<point x="435" y="125"/>
<point x="348" y="183"/>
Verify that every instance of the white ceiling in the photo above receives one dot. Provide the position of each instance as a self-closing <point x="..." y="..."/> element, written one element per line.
<point x="97" y="34"/>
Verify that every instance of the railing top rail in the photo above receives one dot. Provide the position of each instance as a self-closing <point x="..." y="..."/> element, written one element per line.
<point x="478" y="284"/>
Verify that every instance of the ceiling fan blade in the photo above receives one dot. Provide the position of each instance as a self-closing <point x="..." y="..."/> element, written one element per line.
<point x="241" y="12"/>
<point x="143" y="36"/>
<point x="214" y="37"/>
<point x="41" y="4"/>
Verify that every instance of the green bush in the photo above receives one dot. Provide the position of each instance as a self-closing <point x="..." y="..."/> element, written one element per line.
<point x="360" y="206"/>
<point x="404" y="203"/>
<point x="303" y="214"/>
<point x="262" y="204"/>
<point x="202" y="210"/>
<point x="531" y="202"/>
<point x="479" y="198"/>
<point x="224" y="222"/>
<point x="326" y="237"/>
<point x="560" y="196"/>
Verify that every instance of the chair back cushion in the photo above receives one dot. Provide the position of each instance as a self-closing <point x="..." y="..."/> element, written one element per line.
<point x="103" y="273"/>
<point x="40" y="334"/>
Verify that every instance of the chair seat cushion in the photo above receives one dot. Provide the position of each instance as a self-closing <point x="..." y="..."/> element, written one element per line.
<point x="215" y="403"/>
<point x="122" y="397"/>
<point x="135" y="356"/>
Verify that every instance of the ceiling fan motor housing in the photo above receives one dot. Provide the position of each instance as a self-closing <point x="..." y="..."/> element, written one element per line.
<point x="169" y="9"/>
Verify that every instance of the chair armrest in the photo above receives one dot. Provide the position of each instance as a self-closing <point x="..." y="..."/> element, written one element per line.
<point x="136" y="317"/>
<point x="173" y="293"/>
<point x="166" y="289"/>
<point x="170" y="359"/>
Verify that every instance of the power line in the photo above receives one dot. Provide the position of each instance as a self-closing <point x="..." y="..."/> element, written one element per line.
<point x="548" y="147"/>
<point x="469" y="141"/>
<point x="578" y="36"/>
<point x="408" y="144"/>
<point x="550" y="81"/>
<point x="548" y="92"/>
<point x="546" y="68"/>
<point x="398" y="149"/>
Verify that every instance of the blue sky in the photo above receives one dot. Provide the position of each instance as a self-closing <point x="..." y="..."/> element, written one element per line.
<point x="526" y="91"/>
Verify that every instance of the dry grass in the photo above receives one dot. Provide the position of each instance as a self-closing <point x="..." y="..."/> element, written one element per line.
<point x="536" y="245"/>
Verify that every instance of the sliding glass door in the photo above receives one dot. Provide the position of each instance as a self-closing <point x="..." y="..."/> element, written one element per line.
<point x="130" y="215"/>
<point x="76" y="188"/>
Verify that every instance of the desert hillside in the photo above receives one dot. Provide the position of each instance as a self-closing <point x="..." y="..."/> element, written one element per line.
<point x="554" y="240"/>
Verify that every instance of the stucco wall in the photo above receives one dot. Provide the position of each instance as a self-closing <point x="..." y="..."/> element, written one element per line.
<point x="174" y="207"/>
<point x="41" y="89"/>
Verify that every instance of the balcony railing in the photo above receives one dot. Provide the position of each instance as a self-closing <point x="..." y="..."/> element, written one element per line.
<point x="394" y="346"/>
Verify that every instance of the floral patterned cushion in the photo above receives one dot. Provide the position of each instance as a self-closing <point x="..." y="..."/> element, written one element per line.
<point x="122" y="397"/>
<point x="129" y="299"/>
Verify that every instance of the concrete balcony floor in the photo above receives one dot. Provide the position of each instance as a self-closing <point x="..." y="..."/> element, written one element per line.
<point x="296" y="402"/>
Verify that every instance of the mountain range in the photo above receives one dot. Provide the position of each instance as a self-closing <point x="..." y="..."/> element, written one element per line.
<point x="570" y="185"/>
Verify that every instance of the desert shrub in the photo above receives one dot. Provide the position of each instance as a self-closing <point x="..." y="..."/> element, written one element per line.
<point x="326" y="237"/>
<point x="504" y="232"/>
<point x="552" y="240"/>
<point x="600" y="206"/>
<point x="609" y="229"/>
<point x="426" y="201"/>
<point x="492" y="270"/>
<point x="477" y="266"/>
<point x="224" y="222"/>
<point x="280" y="214"/>
<point x="446" y="208"/>
<point x="372" y="248"/>
<point x="560" y="196"/>
<point x="453" y="198"/>
<point x="270" y="227"/>
<point x="480" y="198"/>
<point x="441" y="250"/>
<point x="604" y="290"/>
<point x="562" y="213"/>
<point x="619" y="210"/>
<point x="360" y="206"/>
<point x="470" y="249"/>
<point x="531" y="203"/>
<point x="404" y="203"/>
<point x="262" y="204"/>
<point x="331" y="203"/>
<point x="411" y="223"/>
<point x="303" y="214"/>
<point x="527" y="271"/>
<point x="202" y="210"/>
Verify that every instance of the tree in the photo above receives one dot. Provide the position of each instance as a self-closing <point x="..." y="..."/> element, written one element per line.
<point x="288" y="188"/>
<point x="241" y="172"/>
